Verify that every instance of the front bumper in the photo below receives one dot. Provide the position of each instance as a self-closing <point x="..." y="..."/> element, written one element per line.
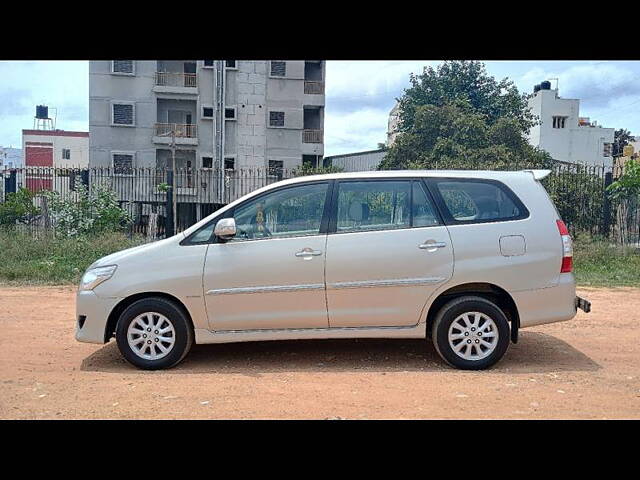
<point x="92" y="313"/>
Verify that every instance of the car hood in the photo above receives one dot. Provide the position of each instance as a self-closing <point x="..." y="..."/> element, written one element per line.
<point x="123" y="255"/>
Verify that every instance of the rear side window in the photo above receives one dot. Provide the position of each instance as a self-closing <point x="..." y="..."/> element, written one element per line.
<point x="479" y="201"/>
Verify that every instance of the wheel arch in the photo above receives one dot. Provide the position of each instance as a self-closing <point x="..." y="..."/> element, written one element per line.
<point x="492" y="292"/>
<point x="112" y="320"/>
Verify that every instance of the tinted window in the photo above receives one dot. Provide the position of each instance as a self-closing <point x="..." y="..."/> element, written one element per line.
<point x="373" y="206"/>
<point x="424" y="214"/>
<point x="478" y="200"/>
<point x="292" y="211"/>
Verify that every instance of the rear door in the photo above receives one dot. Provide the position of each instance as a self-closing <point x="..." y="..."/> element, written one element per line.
<point x="387" y="252"/>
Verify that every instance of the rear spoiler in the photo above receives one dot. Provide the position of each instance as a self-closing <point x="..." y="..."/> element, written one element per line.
<point x="538" y="174"/>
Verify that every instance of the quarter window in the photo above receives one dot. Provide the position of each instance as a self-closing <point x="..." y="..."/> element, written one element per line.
<point x="290" y="212"/>
<point x="424" y="213"/>
<point x="373" y="205"/>
<point x="470" y="201"/>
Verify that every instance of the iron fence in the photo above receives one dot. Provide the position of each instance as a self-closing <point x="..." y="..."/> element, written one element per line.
<point x="147" y="195"/>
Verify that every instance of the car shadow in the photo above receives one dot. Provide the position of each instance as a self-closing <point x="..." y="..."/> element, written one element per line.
<point x="534" y="353"/>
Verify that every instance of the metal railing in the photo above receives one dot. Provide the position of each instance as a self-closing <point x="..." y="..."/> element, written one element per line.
<point x="181" y="130"/>
<point x="313" y="88"/>
<point x="170" y="79"/>
<point x="312" y="136"/>
<point x="579" y="193"/>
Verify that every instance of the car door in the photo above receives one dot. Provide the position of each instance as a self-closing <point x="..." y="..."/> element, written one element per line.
<point x="271" y="275"/>
<point x="387" y="252"/>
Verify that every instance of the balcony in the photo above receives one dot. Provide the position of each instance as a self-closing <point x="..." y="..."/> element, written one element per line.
<point x="169" y="82"/>
<point x="185" y="134"/>
<point x="312" y="136"/>
<point x="313" y="88"/>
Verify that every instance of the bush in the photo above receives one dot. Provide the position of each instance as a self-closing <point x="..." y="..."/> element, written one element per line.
<point x="92" y="212"/>
<point x="55" y="260"/>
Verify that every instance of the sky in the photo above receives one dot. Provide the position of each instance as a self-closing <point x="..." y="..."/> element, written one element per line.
<point x="359" y="94"/>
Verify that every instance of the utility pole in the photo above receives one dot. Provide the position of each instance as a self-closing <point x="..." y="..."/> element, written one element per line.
<point x="173" y="186"/>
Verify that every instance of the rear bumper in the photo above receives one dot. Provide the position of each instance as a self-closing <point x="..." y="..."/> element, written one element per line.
<point x="92" y="313"/>
<point x="547" y="305"/>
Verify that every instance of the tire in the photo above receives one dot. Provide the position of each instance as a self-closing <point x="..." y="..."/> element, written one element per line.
<point x="473" y="316"/>
<point x="169" y="346"/>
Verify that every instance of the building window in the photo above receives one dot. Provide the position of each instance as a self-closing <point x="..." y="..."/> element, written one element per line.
<point x="122" y="67"/>
<point x="123" y="114"/>
<point x="278" y="68"/>
<point x="607" y="151"/>
<point x="276" y="119"/>
<point x="122" y="163"/>
<point x="207" y="162"/>
<point x="208" y="63"/>
<point x="207" y="112"/>
<point x="66" y="154"/>
<point x="229" y="163"/>
<point x="276" y="168"/>
<point x="559" y="122"/>
<point x="230" y="113"/>
<point x="230" y="64"/>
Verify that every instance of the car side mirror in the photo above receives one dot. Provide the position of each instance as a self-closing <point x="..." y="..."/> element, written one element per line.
<point x="225" y="228"/>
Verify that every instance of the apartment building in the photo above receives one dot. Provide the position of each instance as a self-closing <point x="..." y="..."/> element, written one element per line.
<point x="234" y="114"/>
<point x="564" y="133"/>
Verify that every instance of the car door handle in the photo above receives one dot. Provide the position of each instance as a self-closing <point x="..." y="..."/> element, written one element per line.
<point x="308" y="252"/>
<point x="429" y="246"/>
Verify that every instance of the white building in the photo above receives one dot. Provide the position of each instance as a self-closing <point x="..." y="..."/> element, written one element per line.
<point x="392" y="125"/>
<point x="10" y="158"/>
<point x="55" y="148"/>
<point x="564" y="134"/>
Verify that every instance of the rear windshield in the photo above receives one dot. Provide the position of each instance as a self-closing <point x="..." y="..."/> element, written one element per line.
<point x="479" y="201"/>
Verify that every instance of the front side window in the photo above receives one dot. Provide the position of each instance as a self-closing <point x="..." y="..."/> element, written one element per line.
<point x="290" y="212"/>
<point x="372" y="205"/>
<point x="471" y="201"/>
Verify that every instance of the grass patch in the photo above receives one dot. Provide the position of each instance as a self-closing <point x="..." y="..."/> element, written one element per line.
<point x="599" y="263"/>
<point x="47" y="260"/>
<point x="25" y="260"/>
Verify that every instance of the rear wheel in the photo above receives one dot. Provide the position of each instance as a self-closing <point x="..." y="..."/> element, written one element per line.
<point x="154" y="333"/>
<point x="471" y="333"/>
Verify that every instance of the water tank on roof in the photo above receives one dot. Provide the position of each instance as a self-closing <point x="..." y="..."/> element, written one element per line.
<point x="536" y="89"/>
<point x="546" y="85"/>
<point x="42" y="111"/>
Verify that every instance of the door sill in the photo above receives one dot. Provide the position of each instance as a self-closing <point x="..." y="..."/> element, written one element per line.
<point x="230" y="336"/>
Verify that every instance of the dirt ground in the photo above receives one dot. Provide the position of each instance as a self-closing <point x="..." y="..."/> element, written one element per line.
<point x="588" y="367"/>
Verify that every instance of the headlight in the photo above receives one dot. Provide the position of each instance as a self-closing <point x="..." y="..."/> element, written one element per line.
<point x="95" y="276"/>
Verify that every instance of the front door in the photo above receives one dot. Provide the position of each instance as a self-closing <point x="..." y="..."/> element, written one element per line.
<point x="387" y="252"/>
<point x="271" y="275"/>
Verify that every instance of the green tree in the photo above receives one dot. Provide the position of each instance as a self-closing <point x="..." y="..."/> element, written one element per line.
<point x="621" y="138"/>
<point x="457" y="116"/>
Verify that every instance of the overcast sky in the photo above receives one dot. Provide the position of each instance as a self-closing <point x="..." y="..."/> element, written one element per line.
<point x="360" y="94"/>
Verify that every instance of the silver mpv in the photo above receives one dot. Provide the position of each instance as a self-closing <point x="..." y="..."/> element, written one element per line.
<point x="465" y="258"/>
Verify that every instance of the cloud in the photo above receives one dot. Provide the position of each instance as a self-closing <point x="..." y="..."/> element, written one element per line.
<point x="355" y="131"/>
<point x="359" y="96"/>
<point x="14" y="101"/>
<point x="597" y="85"/>
<point x="63" y="85"/>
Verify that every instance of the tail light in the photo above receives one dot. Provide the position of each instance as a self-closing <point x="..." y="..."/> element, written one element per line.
<point x="567" y="248"/>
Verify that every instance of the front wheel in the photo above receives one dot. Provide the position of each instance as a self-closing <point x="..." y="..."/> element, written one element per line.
<point x="154" y="333"/>
<point x="471" y="333"/>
